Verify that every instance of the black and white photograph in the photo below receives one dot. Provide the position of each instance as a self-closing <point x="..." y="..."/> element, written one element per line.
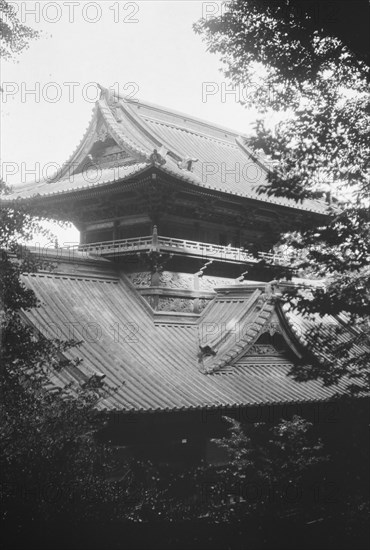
<point x="185" y="274"/>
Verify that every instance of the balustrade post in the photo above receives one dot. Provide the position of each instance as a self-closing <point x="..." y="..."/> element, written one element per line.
<point x="155" y="238"/>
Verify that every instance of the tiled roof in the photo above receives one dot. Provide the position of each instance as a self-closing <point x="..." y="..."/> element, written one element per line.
<point x="329" y="327"/>
<point x="81" y="181"/>
<point x="153" y="366"/>
<point x="224" y="162"/>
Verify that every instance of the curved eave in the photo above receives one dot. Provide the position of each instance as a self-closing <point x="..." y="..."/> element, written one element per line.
<point x="125" y="174"/>
<point x="191" y="178"/>
<point x="107" y="179"/>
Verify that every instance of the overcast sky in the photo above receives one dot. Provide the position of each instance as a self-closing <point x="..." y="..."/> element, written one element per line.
<point x="146" y="48"/>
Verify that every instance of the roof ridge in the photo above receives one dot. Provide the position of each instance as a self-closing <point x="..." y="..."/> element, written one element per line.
<point x="113" y="126"/>
<point x="223" y="339"/>
<point x="152" y="134"/>
<point x="254" y="330"/>
<point x="191" y="131"/>
<point x="73" y="276"/>
<point x="181" y="114"/>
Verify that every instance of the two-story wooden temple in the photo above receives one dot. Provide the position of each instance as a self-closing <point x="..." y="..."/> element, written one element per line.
<point x="158" y="290"/>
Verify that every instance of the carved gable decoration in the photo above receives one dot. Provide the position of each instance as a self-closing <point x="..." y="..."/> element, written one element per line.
<point x="262" y="349"/>
<point x="102" y="134"/>
<point x="105" y="150"/>
<point x="268" y="349"/>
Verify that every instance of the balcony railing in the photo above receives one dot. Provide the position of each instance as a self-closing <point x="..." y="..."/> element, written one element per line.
<point x="277" y="259"/>
<point x="205" y="250"/>
<point x="175" y="246"/>
<point x="110" y="247"/>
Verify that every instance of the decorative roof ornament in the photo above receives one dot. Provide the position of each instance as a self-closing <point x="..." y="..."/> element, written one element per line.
<point x="271" y="290"/>
<point x="116" y="112"/>
<point x="108" y="94"/>
<point x="187" y="163"/>
<point x="273" y="327"/>
<point x="241" y="277"/>
<point x="157" y="157"/>
<point x="270" y="294"/>
<point x="200" y="273"/>
<point x="207" y="350"/>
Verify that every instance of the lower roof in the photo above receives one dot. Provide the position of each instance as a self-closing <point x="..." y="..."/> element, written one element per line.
<point x="152" y="366"/>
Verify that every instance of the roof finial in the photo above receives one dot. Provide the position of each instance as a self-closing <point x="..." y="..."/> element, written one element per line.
<point x="103" y="91"/>
<point x="109" y="95"/>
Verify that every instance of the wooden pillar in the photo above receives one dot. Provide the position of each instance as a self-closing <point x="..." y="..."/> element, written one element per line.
<point x="115" y="231"/>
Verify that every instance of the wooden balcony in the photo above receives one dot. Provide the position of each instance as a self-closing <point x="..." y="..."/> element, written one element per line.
<point x="181" y="247"/>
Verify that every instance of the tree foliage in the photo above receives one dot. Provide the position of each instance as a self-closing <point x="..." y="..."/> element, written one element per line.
<point x="44" y="434"/>
<point x="266" y="470"/>
<point x="14" y="35"/>
<point x="283" y="63"/>
<point x="319" y="150"/>
<point x="269" y="467"/>
<point x="53" y="466"/>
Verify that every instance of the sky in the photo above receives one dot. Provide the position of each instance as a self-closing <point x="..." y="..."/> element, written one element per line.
<point x="146" y="49"/>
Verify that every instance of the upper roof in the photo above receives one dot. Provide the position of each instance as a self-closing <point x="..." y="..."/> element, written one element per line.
<point x="221" y="160"/>
<point x="149" y="363"/>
